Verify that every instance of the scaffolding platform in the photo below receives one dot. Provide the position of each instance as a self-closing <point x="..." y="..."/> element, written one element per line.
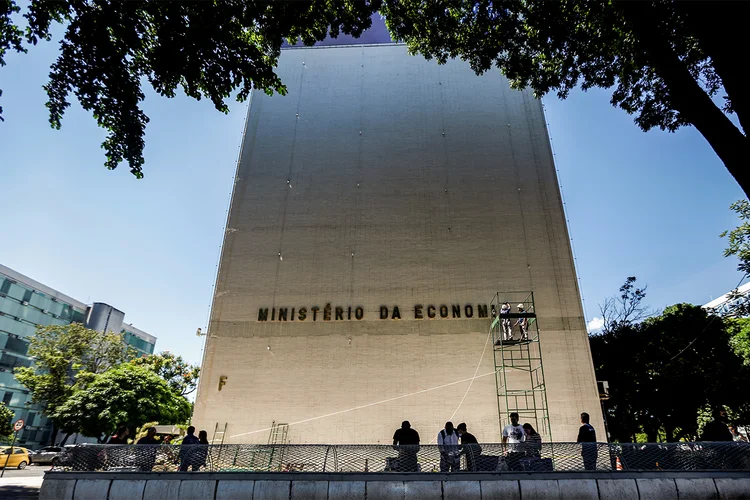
<point x="519" y="372"/>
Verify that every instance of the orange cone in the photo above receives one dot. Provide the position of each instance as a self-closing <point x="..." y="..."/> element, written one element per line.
<point x="618" y="464"/>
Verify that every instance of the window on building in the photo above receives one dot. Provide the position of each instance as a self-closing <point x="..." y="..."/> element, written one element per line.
<point x="7" y="397"/>
<point x="17" y="345"/>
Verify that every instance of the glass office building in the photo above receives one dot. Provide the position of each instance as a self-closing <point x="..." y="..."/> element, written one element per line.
<point x="26" y="304"/>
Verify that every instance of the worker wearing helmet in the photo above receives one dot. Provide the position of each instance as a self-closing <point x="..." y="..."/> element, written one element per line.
<point x="523" y="323"/>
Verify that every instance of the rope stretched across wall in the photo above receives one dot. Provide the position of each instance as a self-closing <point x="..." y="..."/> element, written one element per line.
<point x="266" y="429"/>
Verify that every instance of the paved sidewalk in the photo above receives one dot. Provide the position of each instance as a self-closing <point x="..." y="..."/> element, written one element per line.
<point x="22" y="484"/>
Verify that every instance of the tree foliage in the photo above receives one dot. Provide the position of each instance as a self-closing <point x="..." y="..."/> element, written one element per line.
<point x="6" y="426"/>
<point x="66" y="356"/>
<point x="664" y="370"/>
<point x="206" y="49"/>
<point x="739" y="329"/>
<point x="126" y="395"/>
<point x="738" y="239"/>
<point x="664" y="60"/>
<point x="180" y="375"/>
<point x="626" y="308"/>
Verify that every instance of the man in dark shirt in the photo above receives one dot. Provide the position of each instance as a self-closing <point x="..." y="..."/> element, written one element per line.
<point x="587" y="435"/>
<point x="146" y="456"/>
<point x="406" y="441"/>
<point x="187" y="452"/>
<point x="469" y="447"/>
<point x="717" y="429"/>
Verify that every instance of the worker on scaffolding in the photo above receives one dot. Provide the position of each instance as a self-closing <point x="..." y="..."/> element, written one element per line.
<point x="523" y="323"/>
<point x="507" y="329"/>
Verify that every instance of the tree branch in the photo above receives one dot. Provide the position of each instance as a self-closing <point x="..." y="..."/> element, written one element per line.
<point x="686" y="95"/>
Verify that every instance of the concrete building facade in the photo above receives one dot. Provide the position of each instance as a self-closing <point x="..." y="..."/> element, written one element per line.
<point x="379" y="193"/>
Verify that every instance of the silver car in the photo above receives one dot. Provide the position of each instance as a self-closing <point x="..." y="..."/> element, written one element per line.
<point x="46" y="455"/>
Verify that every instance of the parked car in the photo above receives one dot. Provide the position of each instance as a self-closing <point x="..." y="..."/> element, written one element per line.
<point x="46" y="455"/>
<point x="14" y="457"/>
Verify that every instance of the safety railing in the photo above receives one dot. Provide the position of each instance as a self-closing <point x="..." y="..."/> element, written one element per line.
<point x="523" y="457"/>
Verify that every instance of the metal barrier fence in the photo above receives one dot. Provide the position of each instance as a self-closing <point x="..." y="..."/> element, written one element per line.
<point x="426" y="458"/>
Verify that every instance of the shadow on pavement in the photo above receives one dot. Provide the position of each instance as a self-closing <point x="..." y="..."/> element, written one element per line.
<point x="18" y="492"/>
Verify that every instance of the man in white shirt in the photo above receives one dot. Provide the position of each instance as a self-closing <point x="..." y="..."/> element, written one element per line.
<point x="450" y="458"/>
<point x="513" y="436"/>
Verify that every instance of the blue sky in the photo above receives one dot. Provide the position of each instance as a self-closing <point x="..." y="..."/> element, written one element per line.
<point x="650" y="205"/>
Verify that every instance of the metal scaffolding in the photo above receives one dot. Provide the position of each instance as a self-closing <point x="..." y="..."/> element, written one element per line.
<point x="519" y="374"/>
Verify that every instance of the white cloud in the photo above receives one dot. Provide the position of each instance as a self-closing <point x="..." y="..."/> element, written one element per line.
<point x="595" y="324"/>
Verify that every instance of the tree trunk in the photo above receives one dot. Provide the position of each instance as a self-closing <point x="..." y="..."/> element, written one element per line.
<point x="67" y="435"/>
<point x="53" y="435"/>
<point x="686" y="96"/>
<point x="720" y="30"/>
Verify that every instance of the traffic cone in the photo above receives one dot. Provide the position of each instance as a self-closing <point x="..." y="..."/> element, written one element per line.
<point x="618" y="464"/>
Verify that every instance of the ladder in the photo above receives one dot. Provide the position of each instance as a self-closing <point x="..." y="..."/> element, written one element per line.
<point x="278" y="433"/>
<point x="218" y="438"/>
<point x="219" y="434"/>
<point x="277" y="436"/>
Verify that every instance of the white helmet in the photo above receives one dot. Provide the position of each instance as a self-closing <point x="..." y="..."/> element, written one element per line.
<point x="520" y="306"/>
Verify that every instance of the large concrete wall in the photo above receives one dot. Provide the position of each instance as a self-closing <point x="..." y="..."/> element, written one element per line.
<point x="383" y="179"/>
<point x="223" y="486"/>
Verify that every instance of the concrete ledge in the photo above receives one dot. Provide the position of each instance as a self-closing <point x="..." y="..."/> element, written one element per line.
<point x="346" y="490"/>
<point x="696" y="489"/>
<point x="422" y="490"/>
<point x="733" y="488"/>
<point x="127" y="490"/>
<point x="234" y="489"/>
<point x="465" y="490"/>
<point x="156" y="488"/>
<point x="58" y="489"/>
<point x="272" y="490"/>
<point x="323" y="486"/>
<point x="385" y="490"/>
<point x="91" y="489"/>
<point x="582" y="489"/>
<point x="614" y="489"/>
<point x="507" y="490"/>
<point x="197" y="490"/>
<point x="543" y="489"/>
<point x="397" y="476"/>
<point x="309" y="490"/>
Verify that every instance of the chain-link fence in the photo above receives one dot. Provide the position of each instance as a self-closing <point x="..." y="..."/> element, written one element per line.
<point x="426" y="458"/>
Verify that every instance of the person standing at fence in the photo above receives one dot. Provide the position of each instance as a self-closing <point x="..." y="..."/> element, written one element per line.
<point x="587" y="436"/>
<point x="120" y="437"/>
<point x="469" y="447"/>
<point x="146" y="456"/>
<point x="406" y="441"/>
<point x="201" y="451"/>
<point x="447" y="440"/>
<point x="187" y="450"/>
<point x="513" y="436"/>
<point x="717" y="430"/>
<point x="533" y="441"/>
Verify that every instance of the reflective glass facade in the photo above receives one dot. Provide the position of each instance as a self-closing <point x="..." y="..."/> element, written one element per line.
<point x="142" y="346"/>
<point x="24" y="305"/>
<point x="22" y="309"/>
